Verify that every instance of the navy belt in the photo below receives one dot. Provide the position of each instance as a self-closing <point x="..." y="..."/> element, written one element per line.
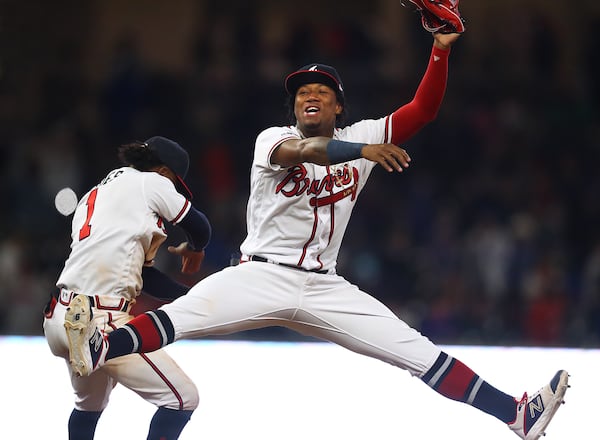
<point x="265" y="260"/>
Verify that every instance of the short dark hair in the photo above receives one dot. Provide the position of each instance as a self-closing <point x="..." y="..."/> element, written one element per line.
<point x="136" y="154"/>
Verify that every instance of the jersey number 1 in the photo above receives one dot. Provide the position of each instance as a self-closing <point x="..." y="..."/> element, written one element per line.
<point x="84" y="232"/>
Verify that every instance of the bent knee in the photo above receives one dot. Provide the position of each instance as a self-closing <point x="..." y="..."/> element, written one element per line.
<point x="187" y="400"/>
<point x="192" y="402"/>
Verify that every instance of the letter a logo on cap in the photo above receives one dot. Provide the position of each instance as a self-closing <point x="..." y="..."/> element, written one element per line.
<point x="313" y="68"/>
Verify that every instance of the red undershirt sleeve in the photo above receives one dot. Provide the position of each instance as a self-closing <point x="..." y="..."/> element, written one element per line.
<point x="410" y="118"/>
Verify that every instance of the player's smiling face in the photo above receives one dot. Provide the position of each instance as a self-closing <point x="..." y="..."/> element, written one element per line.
<point x="316" y="107"/>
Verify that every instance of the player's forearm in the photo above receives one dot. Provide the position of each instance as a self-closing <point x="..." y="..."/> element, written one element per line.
<point x="197" y="229"/>
<point x="431" y="90"/>
<point x="410" y="118"/>
<point x="320" y="150"/>
<point x="312" y="149"/>
<point x="161" y="286"/>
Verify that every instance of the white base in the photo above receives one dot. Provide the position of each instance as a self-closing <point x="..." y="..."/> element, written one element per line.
<point x="299" y="391"/>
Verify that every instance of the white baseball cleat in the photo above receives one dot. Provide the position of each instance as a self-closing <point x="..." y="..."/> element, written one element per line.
<point x="535" y="413"/>
<point x="87" y="344"/>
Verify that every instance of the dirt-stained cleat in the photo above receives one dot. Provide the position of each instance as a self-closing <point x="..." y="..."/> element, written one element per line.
<point x="87" y="343"/>
<point x="535" y="412"/>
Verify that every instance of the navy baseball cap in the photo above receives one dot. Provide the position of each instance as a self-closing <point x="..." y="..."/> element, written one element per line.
<point x="315" y="73"/>
<point x="172" y="155"/>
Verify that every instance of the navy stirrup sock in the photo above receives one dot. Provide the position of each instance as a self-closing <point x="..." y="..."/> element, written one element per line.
<point x="454" y="380"/>
<point x="82" y="424"/>
<point x="144" y="333"/>
<point x="167" y="423"/>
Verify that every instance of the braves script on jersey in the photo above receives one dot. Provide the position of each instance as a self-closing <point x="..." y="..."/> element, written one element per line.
<point x="298" y="215"/>
<point x="117" y="228"/>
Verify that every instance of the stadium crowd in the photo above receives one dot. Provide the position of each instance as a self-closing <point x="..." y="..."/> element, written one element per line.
<point x="491" y="236"/>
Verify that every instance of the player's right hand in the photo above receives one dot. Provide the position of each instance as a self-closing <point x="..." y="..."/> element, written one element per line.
<point x="190" y="260"/>
<point x="391" y="157"/>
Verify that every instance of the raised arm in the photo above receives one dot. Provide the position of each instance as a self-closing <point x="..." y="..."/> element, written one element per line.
<point x="411" y="117"/>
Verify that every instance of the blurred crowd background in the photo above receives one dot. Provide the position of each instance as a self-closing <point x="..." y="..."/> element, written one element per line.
<point x="492" y="235"/>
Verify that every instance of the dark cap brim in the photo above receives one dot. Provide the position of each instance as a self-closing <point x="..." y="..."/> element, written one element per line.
<point x="297" y="79"/>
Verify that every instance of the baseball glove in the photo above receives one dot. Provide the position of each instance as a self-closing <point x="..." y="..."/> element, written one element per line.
<point x="438" y="16"/>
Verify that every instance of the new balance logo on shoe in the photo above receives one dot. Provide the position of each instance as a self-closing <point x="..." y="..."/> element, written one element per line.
<point x="96" y="341"/>
<point x="536" y="405"/>
<point x="534" y="414"/>
<point x="97" y="344"/>
<point x="87" y="345"/>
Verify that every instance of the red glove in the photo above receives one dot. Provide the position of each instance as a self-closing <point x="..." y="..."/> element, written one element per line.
<point x="439" y="15"/>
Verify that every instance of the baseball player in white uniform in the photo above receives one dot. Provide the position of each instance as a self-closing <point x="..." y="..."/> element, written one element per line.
<point x="117" y="229"/>
<point x="305" y="181"/>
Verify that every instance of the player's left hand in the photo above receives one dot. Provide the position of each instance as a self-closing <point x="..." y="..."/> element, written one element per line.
<point x="190" y="260"/>
<point x="444" y="41"/>
<point x="389" y="156"/>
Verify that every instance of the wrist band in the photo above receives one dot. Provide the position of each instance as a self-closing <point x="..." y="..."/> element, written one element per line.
<point x="340" y="151"/>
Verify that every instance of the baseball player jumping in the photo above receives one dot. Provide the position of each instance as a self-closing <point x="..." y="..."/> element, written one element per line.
<point x="117" y="229"/>
<point x="305" y="181"/>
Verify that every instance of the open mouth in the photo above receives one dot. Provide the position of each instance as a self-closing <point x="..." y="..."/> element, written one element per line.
<point x="312" y="110"/>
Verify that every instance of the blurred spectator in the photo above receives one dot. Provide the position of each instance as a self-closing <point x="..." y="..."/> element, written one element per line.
<point x="490" y="237"/>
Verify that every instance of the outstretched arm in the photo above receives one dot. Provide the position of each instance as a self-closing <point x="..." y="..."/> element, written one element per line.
<point x="198" y="231"/>
<point x="410" y="118"/>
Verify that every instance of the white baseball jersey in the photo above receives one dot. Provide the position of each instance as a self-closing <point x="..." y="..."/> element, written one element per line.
<point x="306" y="232"/>
<point x="297" y="215"/>
<point x="117" y="228"/>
